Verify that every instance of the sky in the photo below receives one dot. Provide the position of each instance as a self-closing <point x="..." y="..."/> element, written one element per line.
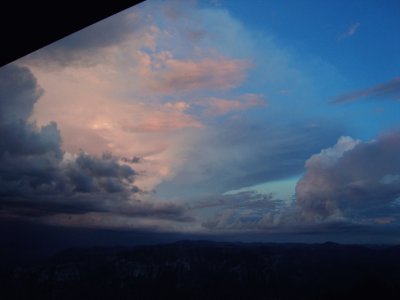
<point x="215" y="118"/>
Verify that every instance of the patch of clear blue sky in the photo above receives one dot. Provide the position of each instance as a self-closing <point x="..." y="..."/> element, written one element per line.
<point x="284" y="189"/>
<point x="313" y="31"/>
<point x="314" y="28"/>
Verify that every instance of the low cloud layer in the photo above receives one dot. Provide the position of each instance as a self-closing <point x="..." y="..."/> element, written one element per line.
<point x="247" y="212"/>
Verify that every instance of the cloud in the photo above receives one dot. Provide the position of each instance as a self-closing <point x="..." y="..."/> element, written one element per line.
<point x="136" y="94"/>
<point x="159" y="91"/>
<point x="389" y="90"/>
<point x="246" y="199"/>
<point x="19" y="93"/>
<point x="180" y="106"/>
<point x="32" y="162"/>
<point x="38" y="178"/>
<point x="130" y="42"/>
<point x="163" y="121"/>
<point x="353" y="180"/>
<point x="165" y="74"/>
<point x="94" y="114"/>
<point x="257" y="214"/>
<point x="127" y="87"/>
<point x="242" y="153"/>
<point x="91" y="45"/>
<point x="350" y="31"/>
<point x="218" y="106"/>
<point x="353" y="186"/>
<point x="245" y="211"/>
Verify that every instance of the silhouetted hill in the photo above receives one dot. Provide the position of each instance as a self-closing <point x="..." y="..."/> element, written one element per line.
<point x="211" y="270"/>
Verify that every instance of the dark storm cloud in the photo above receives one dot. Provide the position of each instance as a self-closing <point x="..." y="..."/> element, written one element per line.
<point x="389" y="90"/>
<point x="91" y="174"/>
<point x="161" y="210"/>
<point x="38" y="178"/>
<point x="19" y="92"/>
<point x="133" y="160"/>
<point x="29" y="156"/>
<point x="354" y="180"/>
<point x="78" y="204"/>
<point x="47" y="205"/>
<point x="32" y="162"/>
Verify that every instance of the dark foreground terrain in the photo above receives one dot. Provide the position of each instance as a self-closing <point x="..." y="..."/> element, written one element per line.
<point x="207" y="270"/>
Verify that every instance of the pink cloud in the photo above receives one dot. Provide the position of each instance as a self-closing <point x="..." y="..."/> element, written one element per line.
<point x="118" y="104"/>
<point x="180" y="106"/>
<point x="161" y="121"/>
<point x="165" y="74"/>
<point x="94" y="117"/>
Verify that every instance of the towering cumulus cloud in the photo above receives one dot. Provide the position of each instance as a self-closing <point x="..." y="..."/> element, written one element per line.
<point x="29" y="155"/>
<point x="37" y="178"/>
<point x="353" y="180"/>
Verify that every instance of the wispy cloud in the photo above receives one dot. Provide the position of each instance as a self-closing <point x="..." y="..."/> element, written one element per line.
<point x="388" y="90"/>
<point x="350" y="31"/>
<point x="165" y="74"/>
<point x="245" y="211"/>
<point x="219" y="106"/>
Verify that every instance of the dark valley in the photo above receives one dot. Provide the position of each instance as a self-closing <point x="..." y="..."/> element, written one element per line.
<point x="211" y="270"/>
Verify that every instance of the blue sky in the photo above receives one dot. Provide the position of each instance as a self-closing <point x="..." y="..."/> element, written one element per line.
<point x="211" y="117"/>
<point x="319" y="29"/>
<point x="357" y="39"/>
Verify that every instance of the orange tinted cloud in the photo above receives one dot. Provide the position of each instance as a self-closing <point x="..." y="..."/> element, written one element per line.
<point x="125" y="102"/>
<point x="165" y="74"/>
<point x="162" y="121"/>
<point x="94" y="117"/>
<point x="180" y="106"/>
